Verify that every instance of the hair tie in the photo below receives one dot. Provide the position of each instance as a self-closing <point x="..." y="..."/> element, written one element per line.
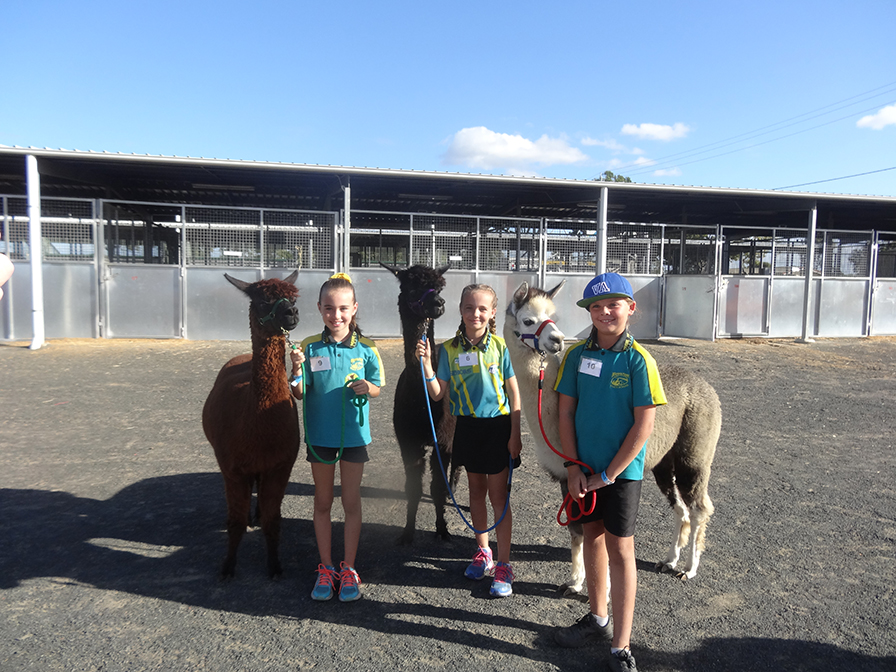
<point x="341" y="276"/>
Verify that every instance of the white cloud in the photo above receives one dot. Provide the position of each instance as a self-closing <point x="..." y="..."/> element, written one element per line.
<point x="656" y="131"/>
<point x="611" y="144"/>
<point x="884" y="117"/>
<point x="667" y="172"/>
<point x="480" y="147"/>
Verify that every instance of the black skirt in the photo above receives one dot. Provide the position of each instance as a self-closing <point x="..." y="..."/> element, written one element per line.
<point x="480" y="444"/>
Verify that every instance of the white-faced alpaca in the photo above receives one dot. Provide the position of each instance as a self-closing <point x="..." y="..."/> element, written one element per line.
<point x="251" y="421"/>
<point x="419" y="304"/>
<point x="679" y="452"/>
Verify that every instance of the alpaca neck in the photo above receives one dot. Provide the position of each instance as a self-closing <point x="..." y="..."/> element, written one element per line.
<point x="269" y="368"/>
<point x="412" y="329"/>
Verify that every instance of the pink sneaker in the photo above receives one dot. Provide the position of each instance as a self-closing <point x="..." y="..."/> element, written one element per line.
<point x="482" y="564"/>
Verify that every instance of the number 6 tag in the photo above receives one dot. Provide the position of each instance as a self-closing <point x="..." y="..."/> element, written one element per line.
<point x="590" y="367"/>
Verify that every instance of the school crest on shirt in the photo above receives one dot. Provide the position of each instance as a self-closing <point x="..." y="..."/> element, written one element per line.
<point x="357" y="364"/>
<point x="619" y="380"/>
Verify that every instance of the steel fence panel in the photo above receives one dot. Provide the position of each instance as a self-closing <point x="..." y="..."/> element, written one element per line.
<point x="634" y="249"/>
<point x="509" y="244"/>
<point x="689" y="250"/>
<point x="15" y="228"/>
<point x="789" y="251"/>
<point x="445" y="239"/>
<point x="379" y="237"/>
<point x="886" y="255"/>
<point x="142" y="233"/>
<point x="846" y="254"/>
<point x="570" y="246"/>
<point x="223" y="237"/>
<point x="296" y="239"/>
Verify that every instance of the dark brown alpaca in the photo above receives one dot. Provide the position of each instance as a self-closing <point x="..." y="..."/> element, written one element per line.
<point x="419" y="304"/>
<point x="251" y="421"/>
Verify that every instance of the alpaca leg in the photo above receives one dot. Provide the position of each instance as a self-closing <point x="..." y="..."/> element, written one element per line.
<point x="271" y="489"/>
<point x="575" y="586"/>
<point x="413" y="489"/>
<point x="680" y="539"/>
<point x="239" y="499"/>
<point x="438" y="489"/>
<point x="700" y="513"/>
<point x="576" y="583"/>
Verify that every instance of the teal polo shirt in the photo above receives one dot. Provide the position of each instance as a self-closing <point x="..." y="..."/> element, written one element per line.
<point x="475" y="376"/>
<point x="609" y="385"/>
<point x="328" y="367"/>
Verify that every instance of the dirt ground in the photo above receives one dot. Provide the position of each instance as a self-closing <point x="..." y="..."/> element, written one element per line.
<point x="113" y="509"/>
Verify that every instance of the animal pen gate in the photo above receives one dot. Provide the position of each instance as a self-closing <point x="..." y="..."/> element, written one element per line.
<point x="132" y="269"/>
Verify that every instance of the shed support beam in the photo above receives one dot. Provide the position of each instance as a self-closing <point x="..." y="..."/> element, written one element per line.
<point x="32" y="182"/>
<point x="810" y="264"/>
<point x="601" y="256"/>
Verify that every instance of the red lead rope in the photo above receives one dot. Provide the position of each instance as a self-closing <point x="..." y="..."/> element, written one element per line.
<point x="566" y="506"/>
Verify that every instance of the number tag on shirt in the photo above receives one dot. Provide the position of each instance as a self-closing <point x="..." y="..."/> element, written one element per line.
<point x="467" y="359"/>
<point x="320" y="363"/>
<point x="590" y="367"/>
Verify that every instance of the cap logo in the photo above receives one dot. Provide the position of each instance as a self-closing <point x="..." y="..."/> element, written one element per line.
<point x="600" y="288"/>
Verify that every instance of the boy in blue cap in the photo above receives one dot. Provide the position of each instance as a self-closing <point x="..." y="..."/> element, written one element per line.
<point x="609" y="389"/>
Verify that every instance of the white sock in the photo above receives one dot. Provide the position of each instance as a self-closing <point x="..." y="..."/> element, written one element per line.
<point x="602" y="622"/>
<point x="614" y="650"/>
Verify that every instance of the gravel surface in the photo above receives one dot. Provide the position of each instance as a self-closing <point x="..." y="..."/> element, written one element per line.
<point x="113" y="530"/>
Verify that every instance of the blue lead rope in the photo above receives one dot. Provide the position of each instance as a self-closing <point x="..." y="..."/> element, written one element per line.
<point x="435" y="443"/>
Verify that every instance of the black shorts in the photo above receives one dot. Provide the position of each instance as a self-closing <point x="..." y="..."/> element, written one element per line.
<point x="617" y="507"/>
<point x="480" y="444"/>
<point x="324" y="453"/>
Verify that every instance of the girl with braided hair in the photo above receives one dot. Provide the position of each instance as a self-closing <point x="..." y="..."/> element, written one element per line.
<point x="476" y="373"/>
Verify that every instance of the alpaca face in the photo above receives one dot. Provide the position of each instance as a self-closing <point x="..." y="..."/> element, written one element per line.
<point x="532" y="310"/>
<point x="425" y="302"/>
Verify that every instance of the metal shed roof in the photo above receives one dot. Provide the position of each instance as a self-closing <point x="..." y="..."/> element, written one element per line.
<point x="173" y="179"/>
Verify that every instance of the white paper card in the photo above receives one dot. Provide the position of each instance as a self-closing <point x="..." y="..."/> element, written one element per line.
<point x="320" y="363"/>
<point x="590" y="367"/>
<point x="467" y="359"/>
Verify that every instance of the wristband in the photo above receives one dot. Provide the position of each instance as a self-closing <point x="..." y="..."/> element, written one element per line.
<point x="295" y="380"/>
<point x="569" y="463"/>
<point x="605" y="478"/>
<point x="429" y="380"/>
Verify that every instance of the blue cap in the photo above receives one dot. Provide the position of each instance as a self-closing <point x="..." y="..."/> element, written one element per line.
<point x="606" y="286"/>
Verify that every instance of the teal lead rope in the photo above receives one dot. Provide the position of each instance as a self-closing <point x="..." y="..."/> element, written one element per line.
<point x="358" y="401"/>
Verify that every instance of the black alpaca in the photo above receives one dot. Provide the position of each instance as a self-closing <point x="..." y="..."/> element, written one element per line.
<point x="419" y="304"/>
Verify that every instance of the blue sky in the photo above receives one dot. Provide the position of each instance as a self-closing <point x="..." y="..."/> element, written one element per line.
<point x="750" y="95"/>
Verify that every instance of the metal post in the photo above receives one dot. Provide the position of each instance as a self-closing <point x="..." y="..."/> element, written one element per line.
<point x="184" y="289"/>
<point x="346" y="228"/>
<point x="810" y="264"/>
<point x="8" y="292"/>
<point x="262" y="257"/>
<point x="601" y="255"/>
<point x="872" y="282"/>
<point x="32" y="179"/>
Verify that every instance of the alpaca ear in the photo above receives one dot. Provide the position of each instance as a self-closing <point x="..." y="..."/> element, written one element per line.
<point x="393" y="269"/>
<point x="553" y="292"/>
<point x="241" y="285"/>
<point x="291" y="279"/>
<point x="519" y="297"/>
<point x="441" y="270"/>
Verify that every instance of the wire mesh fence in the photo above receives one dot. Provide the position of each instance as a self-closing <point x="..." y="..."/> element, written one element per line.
<point x="846" y="254"/>
<point x="886" y="255"/>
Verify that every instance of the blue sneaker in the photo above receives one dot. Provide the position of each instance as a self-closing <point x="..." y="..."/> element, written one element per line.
<point x="323" y="587"/>
<point x="503" y="578"/>
<point x="349" y="584"/>
<point x="482" y="564"/>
